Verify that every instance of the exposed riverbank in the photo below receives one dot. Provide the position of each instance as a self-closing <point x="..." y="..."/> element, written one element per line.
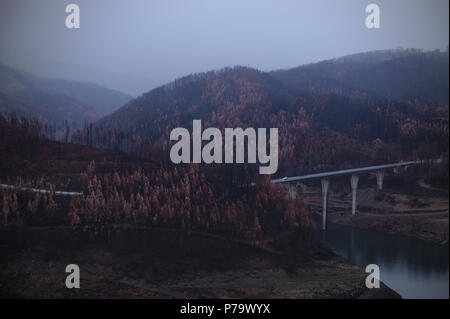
<point x="417" y="211"/>
<point x="428" y="226"/>
<point x="124" y="270"/>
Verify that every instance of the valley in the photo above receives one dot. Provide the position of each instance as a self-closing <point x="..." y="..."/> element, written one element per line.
<point x="141" y="225"/>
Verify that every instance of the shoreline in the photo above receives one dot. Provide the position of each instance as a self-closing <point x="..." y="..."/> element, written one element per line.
<point x="37" y="271"/>
<point x="408" y="214"/>
<point x="432" y="228"/>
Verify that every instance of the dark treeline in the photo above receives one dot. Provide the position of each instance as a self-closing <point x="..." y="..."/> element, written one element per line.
<point x="207" y="198"/>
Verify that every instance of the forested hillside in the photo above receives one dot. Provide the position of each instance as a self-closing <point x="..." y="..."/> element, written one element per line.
<point x="369" y="108"/>
<point x="125" y="174"/>
<point x="402" y="75"/>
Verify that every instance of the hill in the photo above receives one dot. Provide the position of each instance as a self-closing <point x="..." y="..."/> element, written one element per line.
<point x="368" y="108"/>
<point x="401" y="74"/>
<point x="54" y="99"/>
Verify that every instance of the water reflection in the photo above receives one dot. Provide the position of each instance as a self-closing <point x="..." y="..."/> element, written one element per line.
<point x="412" y="267"/>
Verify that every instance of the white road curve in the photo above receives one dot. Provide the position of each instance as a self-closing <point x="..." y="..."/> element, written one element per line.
<point x="41" y="191"/>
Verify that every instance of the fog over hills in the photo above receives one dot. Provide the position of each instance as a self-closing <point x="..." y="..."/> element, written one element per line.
<point x="55" y="99"/>
<point x="403" y="74"/>
<point x="371" y="77"/>
<point x="225" y="149"/>
<point x="141" y="45"/>
<point x="370" y="108"/>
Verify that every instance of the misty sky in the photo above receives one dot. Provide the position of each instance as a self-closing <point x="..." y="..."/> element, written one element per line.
<point x="136" y="45"/>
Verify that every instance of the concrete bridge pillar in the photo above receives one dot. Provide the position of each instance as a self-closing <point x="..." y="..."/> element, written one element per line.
<point x="380" y="177"/>
<point x="325" y="186"/>
<point x="292" y="190"/>
<point x="354" y="183"/>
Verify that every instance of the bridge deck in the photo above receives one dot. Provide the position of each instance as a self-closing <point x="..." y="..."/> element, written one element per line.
<point x="343" y="172"/>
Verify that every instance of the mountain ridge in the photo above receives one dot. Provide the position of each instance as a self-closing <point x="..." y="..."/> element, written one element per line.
<point x="286" y="86"/>
<point x="323" y="116"/>
<point x="83" y="101"/>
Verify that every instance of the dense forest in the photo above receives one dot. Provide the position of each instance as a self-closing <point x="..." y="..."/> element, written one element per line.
<point x="121" y="189"/>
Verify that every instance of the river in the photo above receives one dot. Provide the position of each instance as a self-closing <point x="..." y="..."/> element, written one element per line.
<point x="413" y="268"/>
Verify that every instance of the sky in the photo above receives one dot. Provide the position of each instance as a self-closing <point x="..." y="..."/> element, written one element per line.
<point x="136" y="45"/>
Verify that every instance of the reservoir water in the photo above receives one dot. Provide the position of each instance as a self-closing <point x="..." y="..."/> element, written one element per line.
<point x="413" y="268"/>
